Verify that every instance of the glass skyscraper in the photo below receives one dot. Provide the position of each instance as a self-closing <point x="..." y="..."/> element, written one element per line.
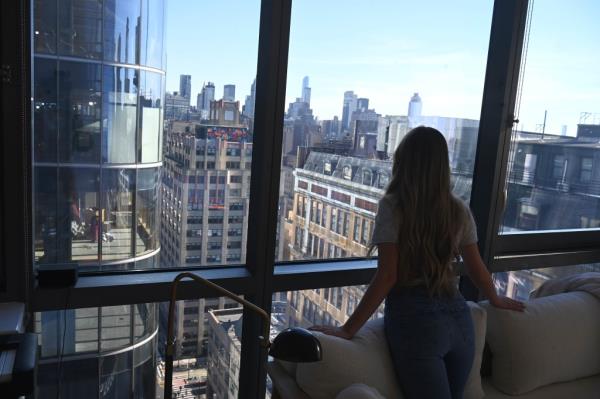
<point x="98" y="95"/>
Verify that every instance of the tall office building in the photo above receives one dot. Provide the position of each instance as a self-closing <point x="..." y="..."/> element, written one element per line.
<point x="362" y="104"/>
<point x="97" y="110"/>
<point x="205" y="193"/>
<point x="229" y="93"/>
<point x="206" y="95"/>
<point x="415" y="106"/>
<point x="250" y="101"/>
<point x="306" y="91"/>
<point x="350" y="105"/>
<point x="185" y="86"/>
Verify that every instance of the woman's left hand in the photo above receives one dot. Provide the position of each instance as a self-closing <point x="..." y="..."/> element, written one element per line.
<point x="335" y="331"/>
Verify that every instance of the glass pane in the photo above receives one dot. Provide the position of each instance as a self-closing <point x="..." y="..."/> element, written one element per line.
<point x="153" y="13"/>
<point x="208" y="336"/>
<point x="343" y="123"/>
<point x="151" y="99"/>
<point x="45" y="111"/>
<point x="44" y="26"/>
<point x="117" y="213"/>
<point x="519" y="284"/>
<point x="121" y="31"/>
<point x="104" y="352"/>
<point x="553" y="177"/>
<point x="209" y="112"/>
<point x="121" y="86"/>
<point x="79" y="104"/>
<point x="80" y="28"/>
<point x="147" y="210"/>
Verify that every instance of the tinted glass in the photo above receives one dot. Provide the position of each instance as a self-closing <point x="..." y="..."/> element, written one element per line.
<point x="80" y="28"/>
<point x="45" y="110"/>
<point x="44" y="26"/>
<point x="147" y="210"/>
<point x="153" y="14"/>
<point x="150" y="116"/>
<point x="117" y="194"/>
<point x="121" y="87"/>
<point x="79" y="104"/>
<point x="122" y="30"/>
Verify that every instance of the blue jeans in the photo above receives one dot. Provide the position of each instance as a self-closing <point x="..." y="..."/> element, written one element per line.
<point x="432" y="343"/>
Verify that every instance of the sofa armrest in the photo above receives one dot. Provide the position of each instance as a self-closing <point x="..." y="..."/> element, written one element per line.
<point x="284" y="386"/>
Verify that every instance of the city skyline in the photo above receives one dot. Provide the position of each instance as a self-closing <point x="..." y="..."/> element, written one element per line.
<point x="374" y="62"/>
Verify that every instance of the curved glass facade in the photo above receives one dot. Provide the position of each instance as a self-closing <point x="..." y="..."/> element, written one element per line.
<point x="98" y="94"/>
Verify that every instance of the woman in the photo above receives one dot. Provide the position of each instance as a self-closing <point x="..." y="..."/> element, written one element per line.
<point x="420" y="229"/>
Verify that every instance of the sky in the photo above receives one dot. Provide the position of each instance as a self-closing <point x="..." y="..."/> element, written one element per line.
<point x="386" y="50"/>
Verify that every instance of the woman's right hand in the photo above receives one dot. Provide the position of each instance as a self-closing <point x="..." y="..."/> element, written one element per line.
<point x="502" y="302"/>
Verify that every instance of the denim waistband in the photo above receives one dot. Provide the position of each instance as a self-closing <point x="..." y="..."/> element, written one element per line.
<point x="414" y="300"/>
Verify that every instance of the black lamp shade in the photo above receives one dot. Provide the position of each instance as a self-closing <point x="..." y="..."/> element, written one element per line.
<point x="296" y="345"/>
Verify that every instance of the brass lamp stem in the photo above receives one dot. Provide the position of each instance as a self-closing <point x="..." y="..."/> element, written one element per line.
<point x="264" y="339"/>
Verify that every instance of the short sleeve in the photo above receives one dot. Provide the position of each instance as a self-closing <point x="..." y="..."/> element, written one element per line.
<point x="469" y="229"/>
<point x="385" y="229"/>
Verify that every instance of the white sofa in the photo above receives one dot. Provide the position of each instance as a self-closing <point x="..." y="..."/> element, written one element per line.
<point x="552" y="350"/>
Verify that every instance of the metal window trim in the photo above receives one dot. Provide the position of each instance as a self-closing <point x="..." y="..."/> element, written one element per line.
<point x="528" y="261"/>
<point x="140" y="287"/>
<point x="271" y="76"/>
<point x="497" y="117"/>
<point x="547" y="241"/>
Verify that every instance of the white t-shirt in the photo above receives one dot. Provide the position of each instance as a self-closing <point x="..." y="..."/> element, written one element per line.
<point x="385" y="229"/>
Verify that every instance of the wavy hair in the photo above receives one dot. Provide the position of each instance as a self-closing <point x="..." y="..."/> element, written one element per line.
<point x="427" y="213"/>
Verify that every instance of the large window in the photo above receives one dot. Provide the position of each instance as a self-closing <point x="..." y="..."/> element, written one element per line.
<point x="343" y="120"/>
<point x="553" y="170"/>
<point x="136" y="168"/>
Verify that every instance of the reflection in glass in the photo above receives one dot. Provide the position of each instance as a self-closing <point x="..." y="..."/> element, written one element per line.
<point x="79" y="97"/>
<point x="153" y="14"/>
<point x="150" y="116"/>
<point x="119" y="114"/>
<point x="147" y="210"/>
<point x="115" y="376"/>
<point x="44" y="26"/>
<point x="45" y="213"/>
<point x="122" y="31"/>
<point x="117" y="213"/>
<point x="45" y="130"/>
<point x="116" y="327"/>
<point x="78" y="215"/>
<point x="80" y="28"/>
<point x="519" y="284"/>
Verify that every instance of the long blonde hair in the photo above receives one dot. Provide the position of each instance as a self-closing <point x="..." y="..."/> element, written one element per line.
<point x="428" y="215"/>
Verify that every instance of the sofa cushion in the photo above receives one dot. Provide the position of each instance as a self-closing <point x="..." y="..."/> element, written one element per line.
<point x="365" y="359"/>
<point x="359" y="391"/>
<point x="583" y="388"/>
<point x="556" y="339"/>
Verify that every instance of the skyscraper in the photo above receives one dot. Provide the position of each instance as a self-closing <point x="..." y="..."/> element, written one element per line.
<point x="185" y="86"/>
<point x="248" y="109"/>
<point x="362" y="104"/>
<point x="97" y="175"/>
<point x="229" y="93"/>
<point x="350" y="104"/>
<point x="414" y="106"/>
<point x="305" y="91"/>
<point x="207" y="94"/>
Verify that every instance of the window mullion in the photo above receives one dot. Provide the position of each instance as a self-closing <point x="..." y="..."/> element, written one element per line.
<point x="264" y="186"/>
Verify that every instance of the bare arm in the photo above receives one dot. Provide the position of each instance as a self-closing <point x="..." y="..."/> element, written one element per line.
<point x="482" y="279"/>
<point x="381" y="284"/>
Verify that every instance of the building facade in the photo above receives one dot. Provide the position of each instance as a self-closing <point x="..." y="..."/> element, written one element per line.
<point x="98" y="99"/>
